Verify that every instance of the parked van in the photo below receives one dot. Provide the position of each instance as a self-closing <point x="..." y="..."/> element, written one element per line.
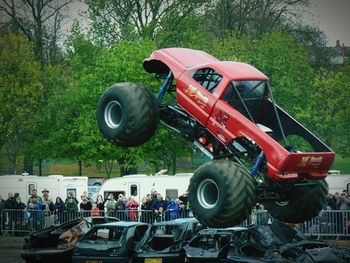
<point x="139" y="185"/>
<point x="58" y="185"/>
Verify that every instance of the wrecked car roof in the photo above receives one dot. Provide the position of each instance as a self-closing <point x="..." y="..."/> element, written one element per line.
<point x="121" y="223"/>
<point x="178" y="221"/>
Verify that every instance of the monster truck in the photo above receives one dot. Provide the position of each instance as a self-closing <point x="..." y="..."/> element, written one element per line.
<point x="227" y="110"/>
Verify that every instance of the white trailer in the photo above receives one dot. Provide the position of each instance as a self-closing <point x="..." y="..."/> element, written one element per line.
<point x="338" y="182"/>
<point x="139" y="185"/>
<point x="58" y="185"/>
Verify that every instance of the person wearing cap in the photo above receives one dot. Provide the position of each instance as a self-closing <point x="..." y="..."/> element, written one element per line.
<point x="34" y="194"/>
<point x="45" y="193"/>
<point x="173" y="209"/>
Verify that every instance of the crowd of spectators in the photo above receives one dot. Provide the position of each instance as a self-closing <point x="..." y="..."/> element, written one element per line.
<point x="39" y="208"/>
<point x="153" y="208"/>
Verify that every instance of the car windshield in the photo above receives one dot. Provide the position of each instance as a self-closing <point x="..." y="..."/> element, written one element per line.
<point x="105" y="235"/>
<point x="163" y="237"/>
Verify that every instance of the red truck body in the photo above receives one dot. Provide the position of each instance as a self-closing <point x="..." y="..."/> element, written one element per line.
<point x="226" y="123"/>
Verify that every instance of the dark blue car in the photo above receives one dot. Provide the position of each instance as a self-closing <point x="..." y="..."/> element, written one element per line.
<point x="111" y="242"/>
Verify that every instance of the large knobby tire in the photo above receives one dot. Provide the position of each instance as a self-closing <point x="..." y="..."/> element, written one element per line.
<point x="221" y="194"/>
<point x="304" y="203"/>
<point x="127" y="114"/>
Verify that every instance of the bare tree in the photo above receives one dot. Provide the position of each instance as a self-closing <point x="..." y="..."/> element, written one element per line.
<point x="253" y="16"/>
<point x="120" y="19"/>
<point x="38" y="20"/>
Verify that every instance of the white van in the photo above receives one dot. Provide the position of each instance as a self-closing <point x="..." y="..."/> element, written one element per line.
<point x="58" y="185"/>
<point x="139" y="185"/>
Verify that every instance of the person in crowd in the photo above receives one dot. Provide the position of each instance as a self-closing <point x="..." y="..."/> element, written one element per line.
<point x="344" y="201"/>
<point x="159" y="216"/>
<point x="182" y="209"/>
<point x="337" y="196"/>
<point x="173" y="209"/>
<point x="110" y="205"/>
<point x="156" y="205"/>
<point x="70" y="194"/>
<point x="29" y="214"/>
<point x="72" y="208"/>
<point x="2" y="217"/>
<point x="38" y="217"/>
<point x="167" y="200"/>
<point x="85" y="206"/>
<point x="10" y="205"/>
<point x="45" y="193"/>
<point x="100" y="204"/>
<point x="331" y="201"/>
<point x="59" y="208"/>
<point x="120" y="208"/>
<point x="19" y="206"/>
<point x="94" y="210"/>
<point x="35" y="194"/>
<point x="154" y="195"/>
<point x="89" y="197"/>
<point x="146" y="208"/>
<point x="132" y="207"/>
<point x="48" y="206"/>
<point x="184" y="198"/>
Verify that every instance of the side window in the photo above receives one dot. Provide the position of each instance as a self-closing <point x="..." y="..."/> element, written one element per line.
<point x="348" y="188"/>
<point x="30" y="188"/>
<point x="172" y="193"/>
<point x="133" y="189"/>
<point x="207" y="77"/>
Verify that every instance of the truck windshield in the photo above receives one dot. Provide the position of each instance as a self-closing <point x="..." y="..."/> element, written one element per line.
<point x="247" y="96"/>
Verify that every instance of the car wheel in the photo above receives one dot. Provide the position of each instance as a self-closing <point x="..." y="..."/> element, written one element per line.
<point x="304" y="203"/>
<point x="127" y="114"/>
<point x="221" y="194"/>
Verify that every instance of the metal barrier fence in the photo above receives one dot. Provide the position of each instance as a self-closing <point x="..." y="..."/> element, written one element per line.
<point x="327" y="223"/>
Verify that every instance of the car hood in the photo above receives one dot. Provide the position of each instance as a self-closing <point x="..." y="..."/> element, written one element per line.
<point x="99" y="248"/>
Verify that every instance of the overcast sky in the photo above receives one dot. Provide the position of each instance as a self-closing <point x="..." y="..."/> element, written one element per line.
<point x="333" y="17"/>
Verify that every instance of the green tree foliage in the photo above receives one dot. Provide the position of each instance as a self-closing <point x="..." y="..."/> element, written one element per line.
<point x="329" y="109"/>
<point x="279" y="57"/>
<point x="21" y="93"/>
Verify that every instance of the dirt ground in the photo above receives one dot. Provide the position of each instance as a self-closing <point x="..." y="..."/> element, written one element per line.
<point x="11" y="247"/>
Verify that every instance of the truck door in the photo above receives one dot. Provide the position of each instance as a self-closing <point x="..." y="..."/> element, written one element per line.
<point x="134" y="190"/>
<point x="195" y="90"/>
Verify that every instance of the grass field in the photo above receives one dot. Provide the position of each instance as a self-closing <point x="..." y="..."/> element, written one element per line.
<point x="342" y="164"/>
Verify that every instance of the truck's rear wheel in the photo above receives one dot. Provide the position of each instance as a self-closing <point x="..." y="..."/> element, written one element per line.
<point x="304" y="203"/>
<point x="127" y="114"/>
<point x="221" y="194"/>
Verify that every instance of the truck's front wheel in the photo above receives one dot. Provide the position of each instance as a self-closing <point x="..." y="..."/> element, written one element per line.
<point x="221" y="194"/>
<point x="304" y="203"/>
<point x="127" y="114"/>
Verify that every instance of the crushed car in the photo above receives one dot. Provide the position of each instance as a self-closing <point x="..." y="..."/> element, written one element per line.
<point x="227" y="110"/>
<point x="163" y="242"/>
<point x="277" y="242"/>
<point x="111" y="242"/>
<point x="56" y="243"/>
